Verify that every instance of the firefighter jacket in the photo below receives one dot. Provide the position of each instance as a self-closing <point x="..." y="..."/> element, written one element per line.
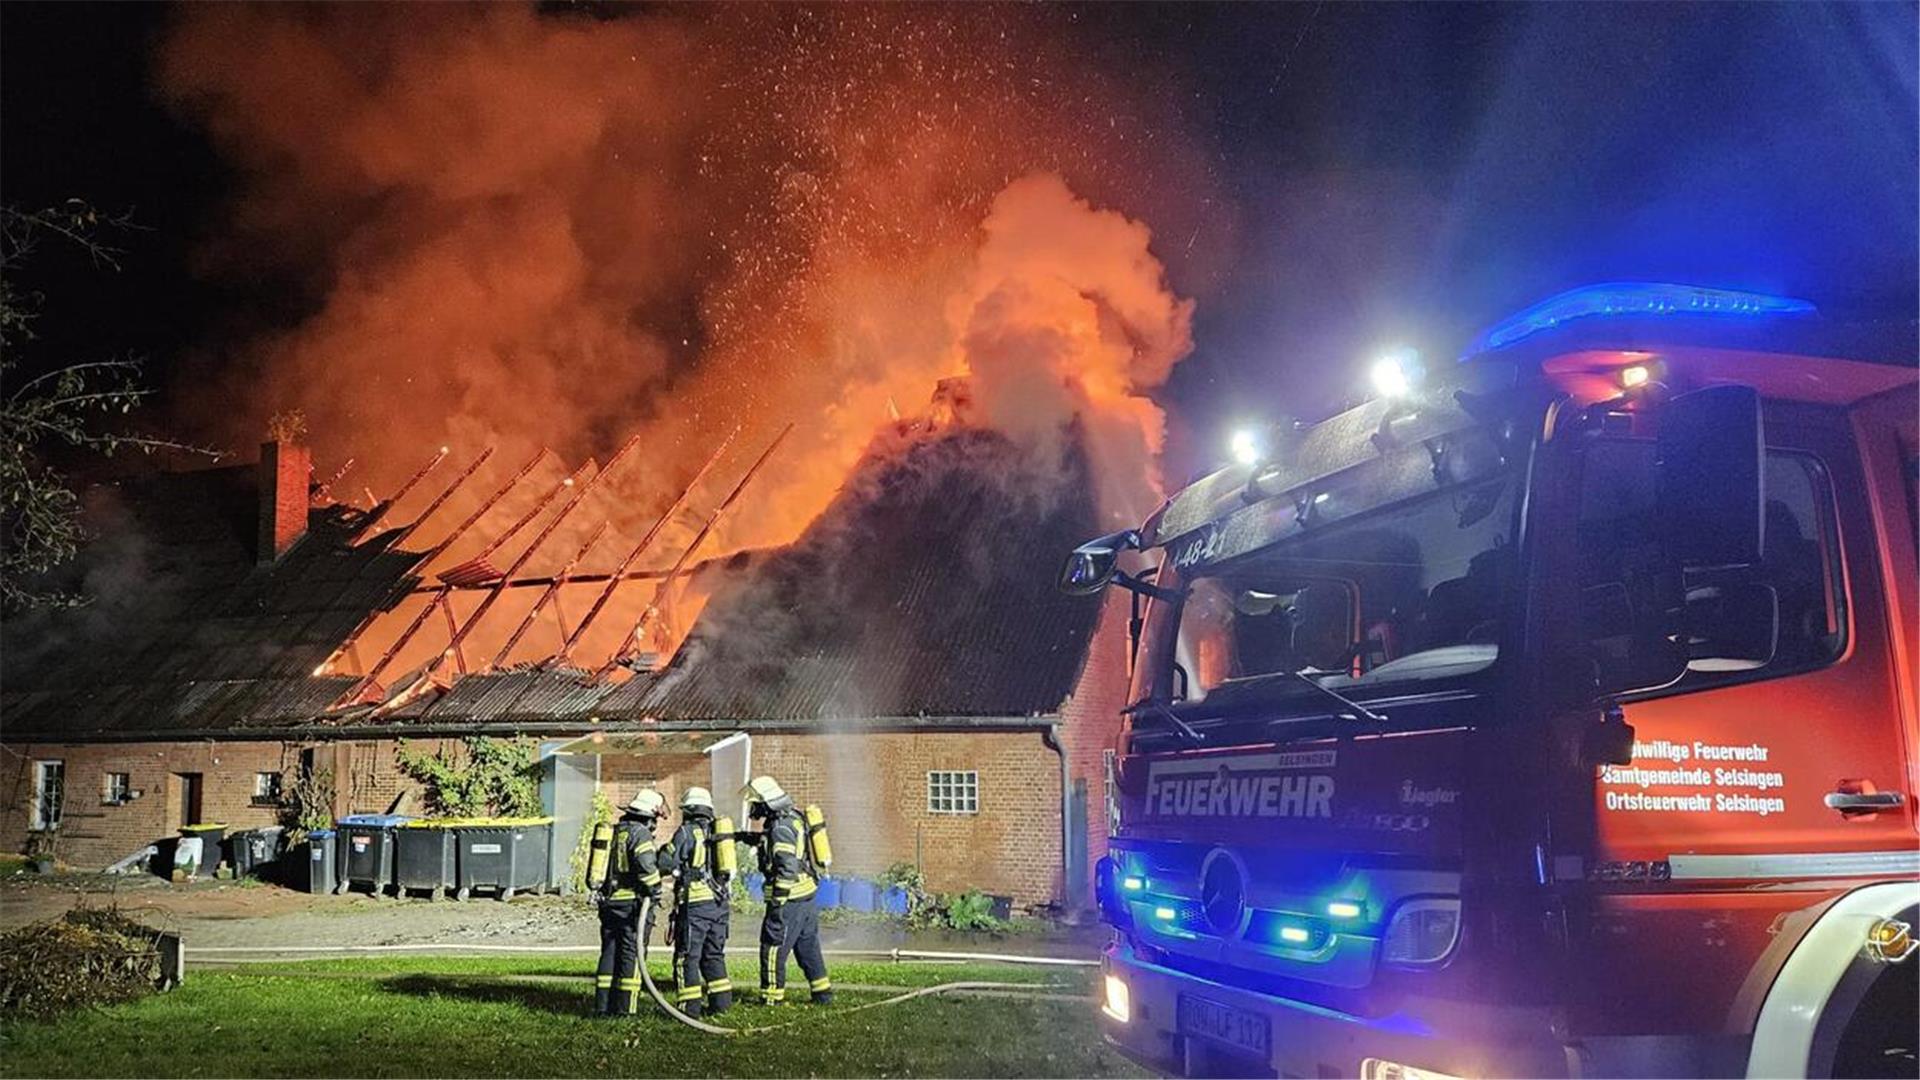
<point x="786" y="860"/>
<point x="632" y="871"/>
<point x="689" y="857"/>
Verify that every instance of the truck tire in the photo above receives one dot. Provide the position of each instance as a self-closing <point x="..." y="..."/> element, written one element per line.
<point x="1880" y="1038"/>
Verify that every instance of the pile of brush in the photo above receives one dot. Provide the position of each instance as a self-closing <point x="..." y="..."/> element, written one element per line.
<point x="89" y="956"/>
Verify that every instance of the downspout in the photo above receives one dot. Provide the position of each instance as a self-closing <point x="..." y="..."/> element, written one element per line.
<point x="1051" y="737"/>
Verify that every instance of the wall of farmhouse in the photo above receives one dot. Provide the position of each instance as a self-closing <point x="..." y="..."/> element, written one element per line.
<point x="874" y="789"/>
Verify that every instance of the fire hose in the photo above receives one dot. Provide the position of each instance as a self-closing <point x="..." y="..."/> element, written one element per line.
<point x="660" y="999"/>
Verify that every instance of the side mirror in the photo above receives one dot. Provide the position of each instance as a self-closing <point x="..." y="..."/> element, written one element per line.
<point x="1711" y="489"/>
<point x="1092" y="564"/>
<point x="1731" y="626"/>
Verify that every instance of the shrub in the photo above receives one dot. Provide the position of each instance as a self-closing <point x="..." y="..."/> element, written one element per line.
<point x="89" y="956"/>
<point x="492" y="778"/>
<point x="308" y="805"/>
<point x="922" y="908"/>
<point x="971" y="910"/>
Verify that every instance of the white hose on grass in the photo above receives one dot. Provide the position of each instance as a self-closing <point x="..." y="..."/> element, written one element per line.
<point x="897" y="955"/>
<point x="660" y="999"/>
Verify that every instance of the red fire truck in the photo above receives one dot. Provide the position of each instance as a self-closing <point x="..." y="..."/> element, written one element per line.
<point x="1549" y="715"/>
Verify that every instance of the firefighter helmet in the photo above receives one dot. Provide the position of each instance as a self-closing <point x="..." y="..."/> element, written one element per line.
<point x="696" y="797"/>
<point x="647" y="804"/>
<point x="763" y="791"/>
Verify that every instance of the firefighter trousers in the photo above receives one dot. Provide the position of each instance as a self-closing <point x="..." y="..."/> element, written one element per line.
<point x="616" y="982"/>
<point x="792" y="926"/>
<point x="700" y="957"/>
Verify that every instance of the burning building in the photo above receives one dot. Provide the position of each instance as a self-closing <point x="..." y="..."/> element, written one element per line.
<point x="905" y="663"/>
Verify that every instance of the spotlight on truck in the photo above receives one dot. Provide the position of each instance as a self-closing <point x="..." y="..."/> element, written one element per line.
<point x="1246" y="446"/>
<point x="1397" y="374"/>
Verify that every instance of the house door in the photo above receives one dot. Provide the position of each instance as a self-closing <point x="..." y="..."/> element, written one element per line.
<point x="186" y="799"/>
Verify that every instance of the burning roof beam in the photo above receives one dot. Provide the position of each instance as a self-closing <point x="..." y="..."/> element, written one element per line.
<point x="381" y="509"/>
<point x="666" y="583"/>
<point x="620" y="572"/>
<point x="323" y="491"/>
<point x="478" y="570"/>
<point x="581" y="489"/>
<point x="407" y="531"/>
<point x="546" y="596"/>
<point x="371" y="681"/>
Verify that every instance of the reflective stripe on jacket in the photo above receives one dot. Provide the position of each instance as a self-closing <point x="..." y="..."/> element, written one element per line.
<point x="690" y="856"/>
<point x="784" y="859"/>
<point x="632" y="871"/>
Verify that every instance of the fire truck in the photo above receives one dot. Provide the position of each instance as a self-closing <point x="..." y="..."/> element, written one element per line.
<point x="1549" y="714"/>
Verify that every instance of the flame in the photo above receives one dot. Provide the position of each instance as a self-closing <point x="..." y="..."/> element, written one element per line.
<point x="524" y="230"/>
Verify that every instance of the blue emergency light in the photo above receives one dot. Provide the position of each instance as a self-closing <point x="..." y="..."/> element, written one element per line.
<point x="1635" y="299"/>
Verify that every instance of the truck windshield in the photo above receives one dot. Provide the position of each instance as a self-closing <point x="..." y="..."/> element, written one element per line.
<point x="1411" y="593"/>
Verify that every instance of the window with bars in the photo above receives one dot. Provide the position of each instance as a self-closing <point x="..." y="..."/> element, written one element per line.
<point x="953" y="792"/>
<point x="116" y="788"/>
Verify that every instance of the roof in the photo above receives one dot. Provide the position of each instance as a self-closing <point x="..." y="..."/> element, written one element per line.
<point x="184" y="630"/>
<point x="922" y="596"/>
<point x="926" y="590"/>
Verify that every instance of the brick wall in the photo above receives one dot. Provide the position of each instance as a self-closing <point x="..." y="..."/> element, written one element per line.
<point x="1092" y="721"/>
<point x="95" y="834"/>
<point x="873" y="789"/>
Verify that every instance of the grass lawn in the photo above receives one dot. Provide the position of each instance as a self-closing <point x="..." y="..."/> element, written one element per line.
<point x="466" y="1016"/>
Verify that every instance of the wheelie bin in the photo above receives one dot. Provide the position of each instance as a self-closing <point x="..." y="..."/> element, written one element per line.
<point x="251" y="852"/>
<point x="366" y="851"/>
<point x="508" y="855"/>
<point x="423" y="857"/>
<point x="210" y="843"/>
<point x="321" y="846"/>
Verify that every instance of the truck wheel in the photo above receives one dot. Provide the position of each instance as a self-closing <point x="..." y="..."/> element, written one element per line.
<point x="1879" y="1039"/>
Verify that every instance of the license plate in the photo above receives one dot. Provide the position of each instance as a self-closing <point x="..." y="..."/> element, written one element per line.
<point x="1237" y="1028"/>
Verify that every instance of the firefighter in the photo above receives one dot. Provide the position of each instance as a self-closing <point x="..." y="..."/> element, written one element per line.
<point x="789" y="863"/>
<point x="700" y="856"/>
<point x="632" y="876"/>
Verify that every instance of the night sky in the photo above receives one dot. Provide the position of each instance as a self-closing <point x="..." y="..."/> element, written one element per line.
<point x="1395" y="173"/>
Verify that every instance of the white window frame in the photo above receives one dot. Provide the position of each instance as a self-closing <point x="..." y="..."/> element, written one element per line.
<point x="261" y="798"/>
<point x="42" y="768"/>
<point x="109" y="795"/>
<point x="953" y="791"/>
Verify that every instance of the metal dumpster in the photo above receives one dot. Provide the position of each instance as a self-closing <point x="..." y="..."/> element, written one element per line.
<point x="504" y="854"/>
<point x="423" y="857"/>
<point x="366" y="851"/>
<point x="210" y="842"/>
<point x="321" y="846"/>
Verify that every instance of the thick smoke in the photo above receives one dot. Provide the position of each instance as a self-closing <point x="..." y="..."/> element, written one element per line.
<point x="518" y="229"/>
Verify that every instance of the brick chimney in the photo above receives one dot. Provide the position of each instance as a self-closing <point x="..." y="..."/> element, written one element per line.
<point x="285" y="471"/>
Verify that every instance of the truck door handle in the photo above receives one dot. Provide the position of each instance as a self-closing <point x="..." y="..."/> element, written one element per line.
<point x="1865" y="802"/>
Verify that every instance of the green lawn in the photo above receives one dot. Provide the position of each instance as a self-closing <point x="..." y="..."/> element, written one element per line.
<point x="463" y="1016"/>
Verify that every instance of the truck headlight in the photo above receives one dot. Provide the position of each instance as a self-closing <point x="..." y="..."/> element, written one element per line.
<point x="1118" y="1003"/>
<point x="1422" y="932"/>
<point x="1382" y="1069"/>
